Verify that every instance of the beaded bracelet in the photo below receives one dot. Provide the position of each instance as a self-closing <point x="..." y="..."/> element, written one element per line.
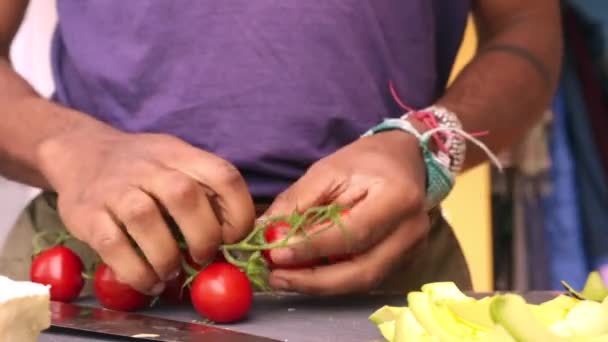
<point x="439" y="179"/>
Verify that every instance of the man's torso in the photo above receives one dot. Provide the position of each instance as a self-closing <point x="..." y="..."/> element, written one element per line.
<point x="272" y="86"/>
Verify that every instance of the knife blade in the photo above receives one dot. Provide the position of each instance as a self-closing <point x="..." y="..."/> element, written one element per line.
<point x="88" y="319"/>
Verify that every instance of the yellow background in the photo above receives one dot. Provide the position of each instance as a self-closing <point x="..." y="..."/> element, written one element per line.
<point x="468" y="207"/>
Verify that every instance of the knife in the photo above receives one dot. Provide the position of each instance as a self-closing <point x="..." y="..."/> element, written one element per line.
<point x="78" y="318"/>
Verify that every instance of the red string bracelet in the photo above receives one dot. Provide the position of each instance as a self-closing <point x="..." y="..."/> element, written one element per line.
<point x="426" y="118"/>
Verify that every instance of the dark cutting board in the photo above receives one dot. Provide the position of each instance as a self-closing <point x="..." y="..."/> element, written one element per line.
<point x="297" y="318"/>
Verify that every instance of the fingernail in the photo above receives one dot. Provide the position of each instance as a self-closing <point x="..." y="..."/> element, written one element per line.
<point x="157" y="289"/>
<point x="196" y="259"/>
<point x="174" y="275"/>
<point x="261" y="220"/>
<point x="282" y="255"/>
<point x="279" y="283"/>
<point x="205" y="260"/>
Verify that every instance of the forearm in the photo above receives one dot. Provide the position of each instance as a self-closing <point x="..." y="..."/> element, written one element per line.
<point x="27" y="121"/>
<point x="508" y="85"/>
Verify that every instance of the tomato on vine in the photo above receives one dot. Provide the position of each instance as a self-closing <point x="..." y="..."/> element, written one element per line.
<point x="276" y="232"/>
<point x="115" y="295"/>
<point x="222" y="293"/>
<point x="60" y="268"/>
<point x="175" y="292"/>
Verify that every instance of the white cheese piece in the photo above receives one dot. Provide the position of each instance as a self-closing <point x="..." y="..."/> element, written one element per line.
<point x="25" y="310"/>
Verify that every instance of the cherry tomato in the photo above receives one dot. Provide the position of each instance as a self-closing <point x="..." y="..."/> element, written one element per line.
<point x="280" y="229"/>
<point x="219" y="257"/>
<point x="109" y="315"/>
<point x="222" y="293"/>
<point x="60" y="313"/>
<point x="339" y="258"/>
<point x="113" y="294"/>
<point x="174" y="292"/>
<point x="60" y="268"/>
<point x="276" y="232"/>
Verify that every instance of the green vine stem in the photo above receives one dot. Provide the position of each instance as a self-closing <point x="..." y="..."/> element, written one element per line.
<point x="87" y="275"/>
<point x="155" y="301"/>
<point x="231" y="259"/>
<point x="62" y="238"/>
<point x="191" y="273"/>
<point x="254" y="265"/>
<point x="312" y="217"/>
<point x="37" y="242"/>
<point x="247" y="253"/>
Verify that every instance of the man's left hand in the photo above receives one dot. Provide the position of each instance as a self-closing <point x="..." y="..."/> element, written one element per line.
<point x="382" y="179"/>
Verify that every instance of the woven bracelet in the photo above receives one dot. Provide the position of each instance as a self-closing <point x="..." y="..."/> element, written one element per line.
<point x="439" y="180"/>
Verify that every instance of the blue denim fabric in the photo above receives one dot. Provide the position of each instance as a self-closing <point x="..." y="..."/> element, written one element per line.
<point x="566" y="250"/>
<point x="591" y="178"/>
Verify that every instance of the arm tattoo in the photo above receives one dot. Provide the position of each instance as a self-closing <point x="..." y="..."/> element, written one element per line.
<point x="544" y="71"/>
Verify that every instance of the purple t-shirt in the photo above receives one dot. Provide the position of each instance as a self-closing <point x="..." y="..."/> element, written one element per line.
<point x="270" y="85"/>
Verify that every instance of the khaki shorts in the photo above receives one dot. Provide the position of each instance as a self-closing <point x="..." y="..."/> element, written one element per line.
<point x="439" y="258"/>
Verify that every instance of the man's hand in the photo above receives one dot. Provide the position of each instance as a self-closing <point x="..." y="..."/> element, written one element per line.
<point x="115" y="186"/>
<point x="383" y="178"/>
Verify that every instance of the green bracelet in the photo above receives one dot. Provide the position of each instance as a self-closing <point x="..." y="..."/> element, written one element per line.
<point x="439" y="180"/>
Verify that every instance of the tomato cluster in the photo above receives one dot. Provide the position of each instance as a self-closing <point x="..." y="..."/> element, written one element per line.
<point x="220" y="292"/>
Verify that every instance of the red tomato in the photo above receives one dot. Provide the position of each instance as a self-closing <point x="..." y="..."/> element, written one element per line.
<point x="276" y="232"/>
<point x="113" y="294"/>
<point x="191" y="261"/>
<point x="339" y="258"/>
<point x="219" y="257"/>
<point x="222" y="293"/>
<point x="174" y="292"/>
<point x="60" y="268"/>
<point x="60" y="313"/>
<point x="109" y="315"/>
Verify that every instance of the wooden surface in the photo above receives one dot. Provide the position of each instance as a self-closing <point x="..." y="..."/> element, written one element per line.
<point x="295" y="318"/>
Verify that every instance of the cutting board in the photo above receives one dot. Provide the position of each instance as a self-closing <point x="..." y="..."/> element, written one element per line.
<point x="294" y="318"/>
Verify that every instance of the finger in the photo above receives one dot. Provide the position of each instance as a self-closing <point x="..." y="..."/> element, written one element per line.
<point x="368" y="222"/>
<point x="114" y="248"/>
<point x="233" y="201"/>
<point x="188" y="205"/>
<point x="315" y="187"/>
<point x="361" y="274"/>
<point x="142" y="219"/>
<point x="352" y="195"/>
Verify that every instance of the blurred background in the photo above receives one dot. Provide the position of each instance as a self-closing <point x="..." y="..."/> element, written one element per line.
<point x="550" y="208"/>
<point x="30" y="56"/>
<point x="543" y="220"/>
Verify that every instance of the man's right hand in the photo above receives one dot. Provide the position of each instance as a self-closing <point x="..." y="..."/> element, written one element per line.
<point x="113" y="186"/>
